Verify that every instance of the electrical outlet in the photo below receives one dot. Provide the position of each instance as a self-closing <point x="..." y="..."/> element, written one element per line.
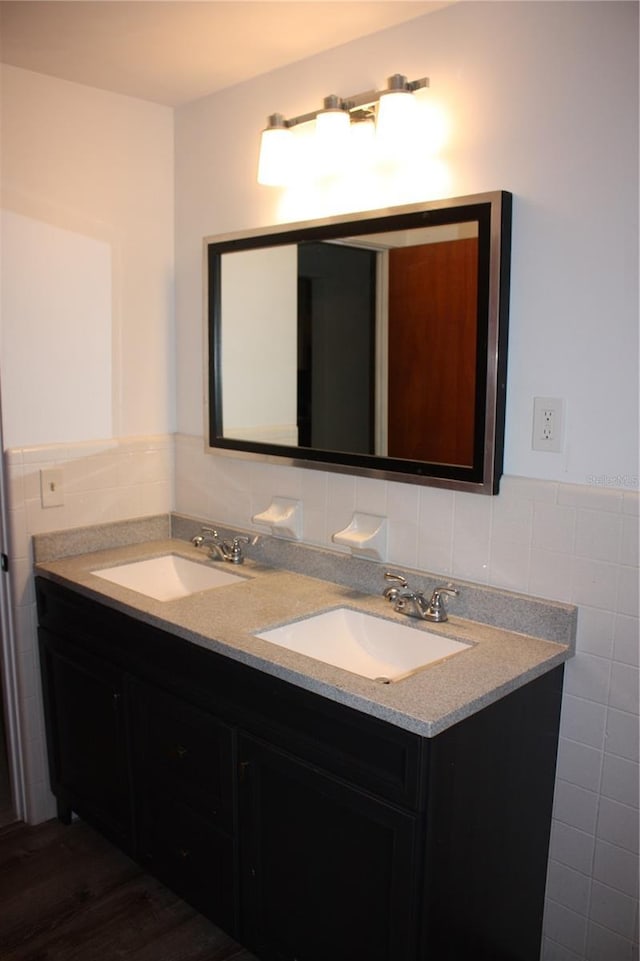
<point x="52" y="487"/>
<point x="547" y="424"/>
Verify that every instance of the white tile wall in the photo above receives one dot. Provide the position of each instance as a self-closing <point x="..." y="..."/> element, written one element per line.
<point x="571" y="543"/>
<point x="103" y="482"/>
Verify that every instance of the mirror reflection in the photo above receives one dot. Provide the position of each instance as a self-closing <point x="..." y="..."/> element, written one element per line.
<point x="364" y="343"/>
<point x="331" y="333"/>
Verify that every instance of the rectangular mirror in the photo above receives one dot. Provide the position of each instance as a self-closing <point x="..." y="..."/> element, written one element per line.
<point x="373" y="343"/>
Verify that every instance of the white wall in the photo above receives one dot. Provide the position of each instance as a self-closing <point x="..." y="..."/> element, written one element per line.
<point x="92" y="171"/>
<point x="542" y="101"/>
<point x="56" y="291"/>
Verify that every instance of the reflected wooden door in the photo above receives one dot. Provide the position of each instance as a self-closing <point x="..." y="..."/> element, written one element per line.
<point x="433" y="295"/>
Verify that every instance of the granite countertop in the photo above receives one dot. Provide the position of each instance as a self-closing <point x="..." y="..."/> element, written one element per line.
<point x="225" y="620"/>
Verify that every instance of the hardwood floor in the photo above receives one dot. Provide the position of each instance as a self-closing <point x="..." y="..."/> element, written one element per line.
<point x="68" y="895"/>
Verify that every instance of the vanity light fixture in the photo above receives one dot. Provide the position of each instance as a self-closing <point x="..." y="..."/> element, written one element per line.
<point x="392" y="110"/>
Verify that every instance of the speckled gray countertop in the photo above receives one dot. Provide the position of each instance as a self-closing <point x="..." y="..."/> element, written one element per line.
<point x="226" y="619"/>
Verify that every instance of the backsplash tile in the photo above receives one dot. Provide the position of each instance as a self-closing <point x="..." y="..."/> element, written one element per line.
<point x="588" y="676"/>
<point x="551" y="574"/>
<point x="566" y="927"/>
<point x="583" y="720"/>
<point x="576" y="806"/>
<point x="554" y="528"/>
<point x="598" y="535"/>
<point x="605" y="945"/>
<point x="435" y="530"/>
<point x="625" y="692"/>
<point x="571" y="847"/>
<point x="579" y="764"/>
<point x="471" y="538"/>
<point x="630" y="541"/>
<point x="618" y="824"/>
<point x="613" y="910"/>
<point x="568" y="887"/>
<point x="622" y="734"/>
<point x="595" y="583"/>
<point x="616" y="867"/>
<point x="596" y="631"/>
<point x="621" y="780"/>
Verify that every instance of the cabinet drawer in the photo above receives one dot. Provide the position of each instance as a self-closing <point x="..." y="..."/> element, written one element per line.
<point x="365" y="751"/>
<point x="183" y="752"/>
<point x="190" y="856"/>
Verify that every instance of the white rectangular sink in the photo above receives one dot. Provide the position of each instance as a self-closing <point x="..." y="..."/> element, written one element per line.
<point x="168" y="577"/>
<point x="367" y="645"/>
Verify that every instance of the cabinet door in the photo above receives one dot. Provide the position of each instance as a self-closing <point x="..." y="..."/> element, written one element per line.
<point x="84" y="704"/>
<point x="327" y="871"/>
<point x="183" y="776"/>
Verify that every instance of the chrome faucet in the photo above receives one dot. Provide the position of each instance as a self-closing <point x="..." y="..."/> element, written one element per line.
<point x="414" y="603"/>
<point x="219" y="549"/>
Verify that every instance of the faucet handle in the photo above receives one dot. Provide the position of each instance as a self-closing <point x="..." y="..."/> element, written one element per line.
<point x="235" y="551"/>
<point x="392" y="593"/>
<point x="450" y="589"/>
<point x="394" y="576"/>
<point x="437" y="610"/>
<point x="236" y="544"/>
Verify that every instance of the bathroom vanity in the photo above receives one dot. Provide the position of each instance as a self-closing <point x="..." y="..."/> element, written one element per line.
<point x="311" y="813"/>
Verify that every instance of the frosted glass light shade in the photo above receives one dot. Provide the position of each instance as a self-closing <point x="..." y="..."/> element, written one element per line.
<point x="332" y="140"/>
<point x="363" y="136"/>
<point x="396" y="122"/>
<point x="275" y="163"/>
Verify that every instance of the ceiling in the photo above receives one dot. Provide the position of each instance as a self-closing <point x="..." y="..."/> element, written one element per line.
<point x="174" y="51"/>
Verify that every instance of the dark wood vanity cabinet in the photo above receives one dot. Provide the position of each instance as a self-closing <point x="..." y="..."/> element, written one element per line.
<point x="306" y="829"/>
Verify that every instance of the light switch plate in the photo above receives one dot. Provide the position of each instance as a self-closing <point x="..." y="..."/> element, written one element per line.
<point x="52" y="487"/>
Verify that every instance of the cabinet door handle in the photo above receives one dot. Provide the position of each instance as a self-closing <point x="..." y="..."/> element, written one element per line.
<point x="181" y="752"/>
<point x="243" y="770"/>
<point x="184" y="854"/>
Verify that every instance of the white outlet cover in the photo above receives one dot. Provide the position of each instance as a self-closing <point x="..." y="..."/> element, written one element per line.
<point x="547" y="424"/>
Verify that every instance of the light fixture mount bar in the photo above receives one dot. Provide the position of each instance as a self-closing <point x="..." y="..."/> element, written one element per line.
<point x="360" y="101"/>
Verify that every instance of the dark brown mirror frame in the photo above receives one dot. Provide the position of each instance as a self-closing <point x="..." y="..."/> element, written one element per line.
<point x="492" y="213"/>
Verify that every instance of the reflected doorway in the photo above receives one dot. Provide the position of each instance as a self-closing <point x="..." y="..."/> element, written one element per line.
<point x="336" y="347"/>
